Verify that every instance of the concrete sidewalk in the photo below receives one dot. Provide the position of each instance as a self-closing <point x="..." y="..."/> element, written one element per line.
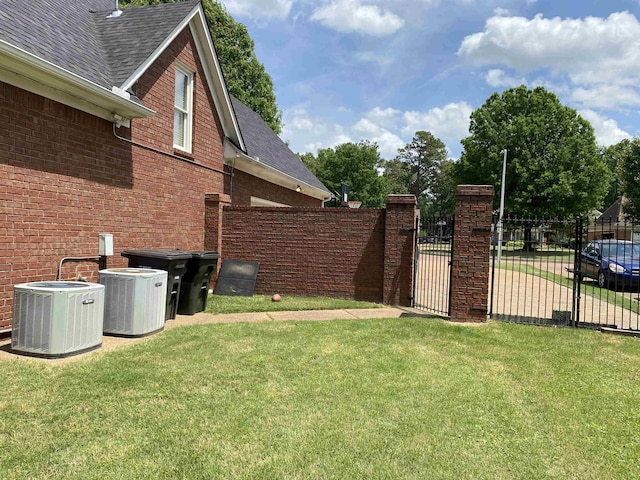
<point x="111" y="343"/>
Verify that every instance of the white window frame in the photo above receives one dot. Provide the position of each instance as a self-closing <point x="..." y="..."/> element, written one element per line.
<point x="188" y="130"/>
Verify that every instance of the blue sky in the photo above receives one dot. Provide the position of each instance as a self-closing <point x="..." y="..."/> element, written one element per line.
<point x="348" y="70"/>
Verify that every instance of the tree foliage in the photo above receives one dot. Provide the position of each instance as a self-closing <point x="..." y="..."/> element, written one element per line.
<point x="422" y="169"/>
<point x="614" y="157"/>
<point x="355" y="164"/>
<point x="245" y="76"/>
<point x="630" y="178"/>
<point x="553" y="168"/>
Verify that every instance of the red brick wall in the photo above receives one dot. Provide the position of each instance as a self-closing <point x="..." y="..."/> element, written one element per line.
<point x="333" y="252"/>
<point x="64" y="178"/>
<point x="245" y="186"/>
<point x="471" y="246"/>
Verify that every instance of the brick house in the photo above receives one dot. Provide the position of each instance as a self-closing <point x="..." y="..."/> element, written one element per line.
<point x="121" y="122"/>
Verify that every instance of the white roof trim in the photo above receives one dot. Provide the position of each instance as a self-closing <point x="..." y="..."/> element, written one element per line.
<point x="29" y="72"/>
<point x="247" y="164"/>
<point x="206" y="51"/>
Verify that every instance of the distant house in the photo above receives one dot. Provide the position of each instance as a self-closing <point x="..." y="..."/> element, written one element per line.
<point x="121" y="122"/>
<point x="614" y="224"/>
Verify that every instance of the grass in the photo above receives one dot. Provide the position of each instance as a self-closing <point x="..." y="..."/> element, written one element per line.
<point x="589" y="288"/>
<point x="376" y="399"/>
<point x="263" y="303"/>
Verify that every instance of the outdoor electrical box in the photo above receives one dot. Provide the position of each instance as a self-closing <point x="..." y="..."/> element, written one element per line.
<point x="105" y="247"/>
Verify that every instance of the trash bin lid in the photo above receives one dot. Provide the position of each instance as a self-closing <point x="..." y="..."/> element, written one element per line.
<point x="166" y="254"/>
<point x="205" y="255"/>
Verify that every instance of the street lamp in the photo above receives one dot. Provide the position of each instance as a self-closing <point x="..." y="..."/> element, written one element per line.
<point x="500" y="225"/>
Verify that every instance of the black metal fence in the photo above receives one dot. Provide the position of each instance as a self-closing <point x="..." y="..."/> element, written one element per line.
<point x="566" y="272"/>
<point x="432" y="278"/>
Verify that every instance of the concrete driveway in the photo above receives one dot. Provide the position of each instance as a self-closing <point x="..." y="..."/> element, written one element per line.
<point x="526" y="297"/>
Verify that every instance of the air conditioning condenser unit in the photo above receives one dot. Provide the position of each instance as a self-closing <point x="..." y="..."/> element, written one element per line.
<point x="57" y="319"/>
<point x="135" y="301"/>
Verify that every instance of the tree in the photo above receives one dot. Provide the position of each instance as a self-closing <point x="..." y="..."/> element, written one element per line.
<point x="310" y="161"/>
<point x="397" y="174"/>
<point x="356" y="165"/>
<point x="443" y="194"/>
<point x="630" y="176"/>
<point x="245" y="76"/>
<point x="554" y="168"/>
<point x="422" y="168"/>
<point x="614" y="157"/>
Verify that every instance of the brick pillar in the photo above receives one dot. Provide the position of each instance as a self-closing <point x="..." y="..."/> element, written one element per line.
<point x="214" y="203"/>
<point x="399" y="249"/>
<point x="471" y="248"/>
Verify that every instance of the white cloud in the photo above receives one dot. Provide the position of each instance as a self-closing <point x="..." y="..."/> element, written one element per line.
<point x="259" y="8"/>
<point x="390" y="128"/>
<point x="308" y="134"/>
<point x="388" y="142"/>
<point x="590" y="50"/>
<point x="449" y="123"/>
<point x="498" y="78"/>
<point x="350" y="16"/>
<point x="606" y="96"/>
<point x="606" y="129"/>
<point x="388" y="117"/>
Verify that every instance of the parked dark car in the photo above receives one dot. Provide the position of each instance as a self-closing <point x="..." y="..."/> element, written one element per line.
<point x="612" y="263"/>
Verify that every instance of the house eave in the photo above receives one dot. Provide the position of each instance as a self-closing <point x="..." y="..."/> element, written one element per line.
<point x="34" y="74"/>
<point x="245" y="163"/>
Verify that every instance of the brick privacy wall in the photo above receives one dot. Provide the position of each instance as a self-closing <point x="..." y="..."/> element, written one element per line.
<point x="64" y="178"/>
<point x="331" y="252"/>
<point x="245" y="186"/>
<point x="399" y="251"/>
<point x="471" y="247"/>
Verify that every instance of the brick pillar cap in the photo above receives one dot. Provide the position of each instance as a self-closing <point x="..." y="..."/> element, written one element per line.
<point x="475" y="190"/>
<point x="218" y="197"/>
<point x="402" y="200"/>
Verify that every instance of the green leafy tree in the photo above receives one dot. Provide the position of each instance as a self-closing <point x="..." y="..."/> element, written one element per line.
<point x="245" y="76"/>
<point x="614" y="156"/>
<point x="355" y="164"/>
<point x="630" y="176"/>
<point x="397" y="174"/>
<point x="554" y="168"/>
<point x="422" y="168"/>
<point x="442" y="200"/>
<point x="310" y="161"/>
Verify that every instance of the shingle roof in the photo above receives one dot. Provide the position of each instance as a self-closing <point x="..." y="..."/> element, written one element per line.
<point x="58" y="31"/>
<point x="264" y="144"/>
<point x="71" y="35"/>
<point x="612" y="214"/>
<point x="128" y="40"/>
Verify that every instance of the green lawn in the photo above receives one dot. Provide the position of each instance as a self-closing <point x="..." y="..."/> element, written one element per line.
<point x="263" y="303"/>
<point x="393" y="399"/>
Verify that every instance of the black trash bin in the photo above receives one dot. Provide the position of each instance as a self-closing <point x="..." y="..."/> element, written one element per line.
<point x="194" y="288"/>
<point x="174" y="262"/>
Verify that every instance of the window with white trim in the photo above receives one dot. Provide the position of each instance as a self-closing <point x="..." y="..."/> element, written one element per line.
<point x="183" y="111"/>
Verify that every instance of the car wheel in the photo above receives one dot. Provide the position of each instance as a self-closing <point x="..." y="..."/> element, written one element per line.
<point x="603" y="281"/>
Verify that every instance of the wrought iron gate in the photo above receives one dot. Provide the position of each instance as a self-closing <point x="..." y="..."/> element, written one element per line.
<point x="432" y="270"/>
<point x="566" y="272"/>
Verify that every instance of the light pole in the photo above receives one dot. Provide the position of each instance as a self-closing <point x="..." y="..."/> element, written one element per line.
<point x="500" y="225"/>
